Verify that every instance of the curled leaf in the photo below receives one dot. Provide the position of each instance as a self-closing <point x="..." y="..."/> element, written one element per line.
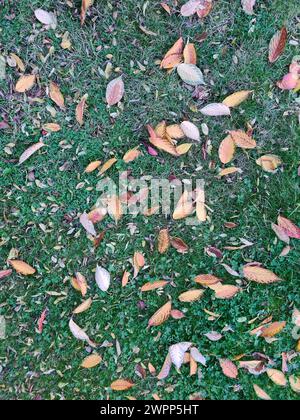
<point x="269" y="163"/>
<point x="273" y="329"/>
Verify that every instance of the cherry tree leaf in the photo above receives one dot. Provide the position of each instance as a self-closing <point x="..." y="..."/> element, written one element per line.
<point x="102" y="278"/>
<point x="161" y="315"/>
<point x="261" y="393"/>
<point x="87" y="224"/>
<point x="121" y="385"/>
<point x="197" y="356"/>
<point x="190" y="8"/>
<point x="260" y="275"/>
<point x="22" y="267"/>
<point x="80" y="109"/>
<point x="289" y="227"/>
<point x="25" y="83"/>
<point x="190" y="130"/>
<point x="227" y="150"/>
<point x="79" y="333"/>
<point x="248" y="6"/>
<point x="5" y="273"/>
<point x="277" y="45"/>
<point x="46" y="18"/>
<point x="229" y="369"/>
<point x="115" y="91"/>
<point x="91" y="361"/>
<point x="190" y="74"/>
<point x="177" y="353"/>
<point x="215" y="110"/>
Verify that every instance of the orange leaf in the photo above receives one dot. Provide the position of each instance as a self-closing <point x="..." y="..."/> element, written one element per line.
<point x="84" y="7"/>
<point x="107" y="165"/>
<point x="22" y="267"/>
<point x="91" y="361"/>
<point x="175" y="50"/>
<point x="131" y="155"/>
<point x="80" y="109"/>
<point x="225" y="291"/>
<point x="277" y="45"/>
<point x="171" y="61"/>
<point x="184" y="207"/>
<point x="163" y="241"/>
<point x="160" y="143"/>
<point x="148" y="287"/>
<point x="92" y="166"/>
<point x="229" y="369"/>
<point x="229" y="171"/>
<point x="25" y="83"/>
<point x="193" y="366"/>
<point x="227" y="150"/>
<point x="189" y="54"/>
<point x="273" y="329"/>
<point x="161" y="315"/>
<point x="191" y="295"/>
<point x="261" y="393"/>
<point x="121" y="385"/>
<point x="125" y="278"/>
<point x="260" y="275"/>
<point x="289" y="227"/>
<point x="242" y="139"/>
<point x="56" y="95"/>
<point x="237" y="98"/>
<point x="138" y="262"/>
<point x="51" y="127"/>
<point x="175" y="132"/>
<point x="84" y="306"/>
<point x="207" y="279"/>
<point x="79" y="283"/>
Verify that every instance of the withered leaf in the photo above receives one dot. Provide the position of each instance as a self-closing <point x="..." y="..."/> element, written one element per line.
<point x="22" y="267"/>
<point x="277" y="45"/>
<point x="161" y="315"/>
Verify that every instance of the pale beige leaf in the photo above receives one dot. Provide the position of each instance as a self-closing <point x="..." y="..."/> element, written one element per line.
<point x="260" y="275"/>
<point x="22" y="267"/>
<point x="248" y="6"/>
<point x="242" y="139"/>
<point x="85" y="5"/>
<point x="261" y="393"/>
<point x="121" y="385"/>
<point x="191" y="295"/>
<point x="190" y="130"/>
<point x="114" y="207"/>
<point x="25" y="83"/>
<point x="174" y="131"/>
<point x="45" y="17"/>
<point x="277" y="377"/>
<point x="30" y="151"/>
<point x="51" y="127"/>
<point x="184" y="207"/>
<point x="115" y="91"/>
<point x="295" y="383"/>
<point x="190" y="74"/>
<point x="177" y="353"/>
<point x="184" y="148"/>
<point x="229" y="171"/>
<point x="91" y="361"/>
<point x="215" y="110"/>
<point x="87" y="224"/>
<point x="56" y="95"/>
<point x="190" y="7"/>
<point x="79" y="333"/>
<point x="18" y="61"/>
<point x="165" y="370"/>
<point x="102" y="278"/>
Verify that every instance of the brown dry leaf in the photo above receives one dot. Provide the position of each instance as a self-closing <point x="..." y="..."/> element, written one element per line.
<point x="277" y="377"/>
<point x="289" y="227"/>
<point x="225" y="291"/>
<point x="80" y="109"/>
<point x="229" y="369"/>
<point x="207" y="279"/>
<point x="121" y="385"/>
<point x="179" y="245"/>
<point x="260" y="275"/>
<point x="184" y="207"/>
<point x="277" y="45"/>
<point x="22" y="267"/>
<point x="242" y="139"/>
<point x="56" y="95"/>
<point x="18" y="61"/>
<point x="79" y="283"/>
<point x="237" y="98"/>
<point x="107" y="165"/>
<point x="229" y="171"/>
<point x="84" y="7"/>
<point x="92" y="166"/>
<point x="114" y="207"/>
<point x="175" y="50"/>
<point x="51" y="127"/>
<point x="174" y="131"/>
<point x="295" y="383"/>
<point x="84" y="306"/>
<point x="191" y="295"/>
<point x="131" y="155"/>
<point x="227" y="150"/>
<point x="272" y="329"/>
<point x="269" y="163"/>
<point x="261" y="393"/>
<point x="148" y="287"/>
<point x="30" y="151"/>
<point x="189" y="54"/>
<point x="138" y="263"/>
<point x="171" y="61"/>
<point x="161" y="315"/>
<point x="163" y="241"/>
<point x="125" y="278"/>
<point x="91" y="361"/>
<point x="25" y="83"/>
<point x="115" y="91"/>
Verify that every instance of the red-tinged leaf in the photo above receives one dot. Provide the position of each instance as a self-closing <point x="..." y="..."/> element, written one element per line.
<point x="179" y="245"/>
<point x="165" y="370"/>
<point x="42" y="320"/>
<point x="248" y="6"/>
<point x="289" y="227"/>
<point x="115" y="91"/>
<point x="87" y="224"/>
<point x="176" y="314"/>
<point x="5" y="273"/>
<point x="229" y="369"/>
<point x="205" y="8"/>
<point x="30" y="151"/>
<point x="3" y="125"/>
<point x="190" y="8"/>
<point x="277" y="45"/>
<point x="80" y="109"/>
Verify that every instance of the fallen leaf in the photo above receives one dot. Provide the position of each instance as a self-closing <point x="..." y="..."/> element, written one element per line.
<point x="227" y="150"/>
<point x="85" y="5"/>
<point x="277" y="377"/>
<point x="165" y="370"/>
<point x="189" y="54"/>
<point x="30" y="151"/>
<point x="79" y="283"/>
<point x="107" y="165"/>
<point x="214" y="336"/>
<point x="277" y="45"/>
<point x="179" y="245"/>
<point x="190" y="74"/>
<point x="22" y="267"/>
<point x="25" y="83"/>
<point x="295" y="383"/>
<point x="261" y="393"/>
<point x="121" y="385"/>
<point x="260" y="275"/>
<point x="166" y="8"/>
<point x="171" y="61"/>
<point x="18" y="61"/>
<point x="176" y="51"/>
<point x="138" y="263"/>
<point x="87" y="224"/>
<point x="229" y="171"/>
<point x="79" y="333"/>
<point x="66" y="42"/>
<point x="115" y="91"/>
<point x="177" y="353"/>
<point x="56" y="95"/>
<point x="41" y="321"/>
<point x="92" y="166"/>
<point x="207" y="279"/>
<point x="191" y="295"/>
<point x="215" y="110"/>
<point x="237" y="98"/>
<point x="242" y="139"/>
<point x="154" y="285"/>
<point x="295" y="316"/>
<point x="229" y="369"/>
<point x="5" y="273"/>
<point x="225" y="291"/>
<point x="272" y="329"/>
<point x="114" y="207"/>
<point x="80" y="109"/>
<point x="193" y="366"/>
<point x="205" y="8"/>
<point x="84" y="306"/>
<point x="197" y="356"/>
<point x="183" y="148"/>
<point x="173" y="131"/>
<point x="190" y="8"/>
<point x="184" y="207"/>
<point x="46" y="18"/>
<point x="102" y="278"/>
<point x="91" y="361"/>
<point x="190" y="130"/>
<point x="289" y="227"/>
<point x="131" y="155"/>
<point x="97" y="215"/>
<point x="248" y="6"/>
<point x="51" y="127"/>
<point x="161" y="315"/>
<point x="176" y="314"/>
<point x="269" y="163"/>
<point x="281" y="233"/>
<point x="163" y="241"/>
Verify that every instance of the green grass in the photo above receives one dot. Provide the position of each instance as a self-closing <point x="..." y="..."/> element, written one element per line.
<point x="48" y="365"/>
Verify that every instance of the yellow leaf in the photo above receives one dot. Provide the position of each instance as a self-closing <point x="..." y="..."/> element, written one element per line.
<point x="148" y="287"/>
<point x="22" y="267"/>
<point x="163" y="241"/>
<point x="107" y="165"/>
<point x="260" y="275"/>
<point x="92" y="166"/>
<point x="160" y="129"/>
<point x="121" y="385"/>
<point x="272" y="329"/>
<point x="237" y="98"/>
<point x="83" y="307"/>
<point x="183" y="148"/>
<point x="191" y="295"/>
<point x="91" y="361"/>
<point x="227" y="150"/>
<point x="56" y="95"/>
<point x="25" y="83"/>
<point x="161" y="315"/>
<point x="277" y="377"/>
<point x="18" y="61"/>
<point x="269" y="163"/>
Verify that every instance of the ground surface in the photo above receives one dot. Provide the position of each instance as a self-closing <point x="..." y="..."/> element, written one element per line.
<point x="40" y="217"/>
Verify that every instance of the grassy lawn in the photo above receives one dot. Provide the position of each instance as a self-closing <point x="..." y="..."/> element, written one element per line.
<point x="41" y="200"/>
